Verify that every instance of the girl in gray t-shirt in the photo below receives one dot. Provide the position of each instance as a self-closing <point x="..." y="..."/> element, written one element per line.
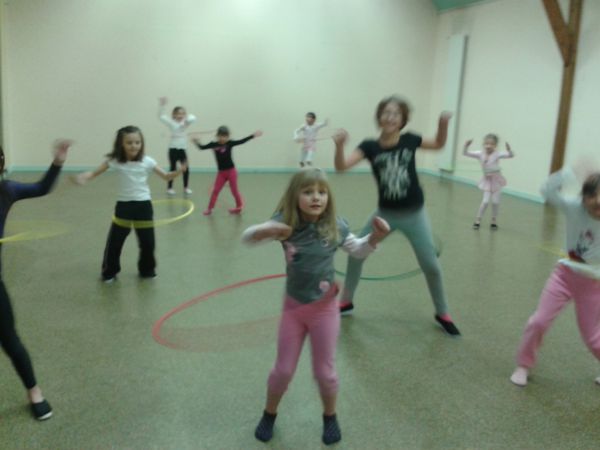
<point x="310" y="232"/>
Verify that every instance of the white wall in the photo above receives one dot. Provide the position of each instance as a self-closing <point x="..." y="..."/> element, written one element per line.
<point x="512" y="83"/>
<point x="84" y="68"/>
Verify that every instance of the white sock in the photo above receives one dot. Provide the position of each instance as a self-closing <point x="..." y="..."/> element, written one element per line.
<point x="519" y="376"/>
<point x="598" y="380"/>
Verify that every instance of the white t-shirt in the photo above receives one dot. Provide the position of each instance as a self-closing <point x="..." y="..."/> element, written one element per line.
<point x="178" y="129"/>
<point x="133" y="178"/>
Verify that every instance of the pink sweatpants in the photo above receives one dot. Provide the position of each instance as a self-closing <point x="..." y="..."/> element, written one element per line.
<point x="223" y="176"/>
<point x="562" y="286"/>
<point x="321" y="321"/>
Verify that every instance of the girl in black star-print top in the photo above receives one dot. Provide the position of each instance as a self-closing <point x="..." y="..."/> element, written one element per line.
<point x="392" y="158"/>
<point x="227" y="172"/>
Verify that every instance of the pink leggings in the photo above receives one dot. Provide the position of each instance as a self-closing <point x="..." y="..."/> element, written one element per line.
<point x="562" y="286"/>
<point x="321" y="321"/>
<point x="223" y="176"/>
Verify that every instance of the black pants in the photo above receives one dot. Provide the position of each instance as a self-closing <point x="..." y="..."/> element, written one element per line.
<point x="134" y="210"/>
<point x="11" y="344"/>
<point x="178" y="154"/>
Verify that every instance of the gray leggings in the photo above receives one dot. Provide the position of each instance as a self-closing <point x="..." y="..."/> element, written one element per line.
<point x="416" y="228"/>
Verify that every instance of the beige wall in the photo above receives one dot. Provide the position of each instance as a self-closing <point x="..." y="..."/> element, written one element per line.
<point x="83" y="68"/>
<point x="512" y="82"/>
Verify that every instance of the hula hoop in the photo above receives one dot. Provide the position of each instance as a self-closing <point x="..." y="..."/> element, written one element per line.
<point x="156" y="329"/>
<point x="550" y="248"/>
<point x="34" y="235"/>
<point x="125" y="223"/>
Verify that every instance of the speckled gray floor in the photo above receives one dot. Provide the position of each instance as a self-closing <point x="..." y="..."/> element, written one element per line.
<point x="404" y="384"/>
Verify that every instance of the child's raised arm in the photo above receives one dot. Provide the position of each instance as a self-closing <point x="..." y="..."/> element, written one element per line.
<point x="84" y="177"/>
<point x="341" y="163"/>
<point x="267" y="231"/>
<point x="468" y="153"/>
<point x="509" y="153"/>
<point x="442" y="134"/>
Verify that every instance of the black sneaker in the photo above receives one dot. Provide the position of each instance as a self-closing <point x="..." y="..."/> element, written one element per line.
<point x="331" y="430"/>
<point x="476" y="226"/>
<point x="346" y="308"/>
<point x="494" y="226"/>
<point x="448" y="326"/>
<point x="264" y="429"/>
<point x="41" y="410"/>
<point x="148" y="276"/>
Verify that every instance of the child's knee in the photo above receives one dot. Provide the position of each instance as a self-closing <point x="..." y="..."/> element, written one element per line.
<point x="327" y="381"/>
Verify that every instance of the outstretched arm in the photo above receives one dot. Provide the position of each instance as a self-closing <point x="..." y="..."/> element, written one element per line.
<point x="42" y="187"/>
<point x="442" y="134"/>
<point x="168" y="176"/>
<point x="342" y="163"/>
<point x="84" y="177"/>
<point x="256" y="134"/>
<point x="267" y="231"/>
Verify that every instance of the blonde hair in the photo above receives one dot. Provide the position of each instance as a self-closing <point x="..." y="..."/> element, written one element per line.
<point x="290" y="211"/>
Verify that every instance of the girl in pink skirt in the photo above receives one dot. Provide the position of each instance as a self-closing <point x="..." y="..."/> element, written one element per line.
<point x="492" y="182"/>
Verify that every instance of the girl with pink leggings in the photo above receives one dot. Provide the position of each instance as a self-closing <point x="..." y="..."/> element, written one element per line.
<point x="310" y="232"/>
<point x="574" y="278"/>
<point x="227" y="173"/>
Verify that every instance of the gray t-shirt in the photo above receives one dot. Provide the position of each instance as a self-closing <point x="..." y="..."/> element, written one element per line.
<point x="309" y="260"/>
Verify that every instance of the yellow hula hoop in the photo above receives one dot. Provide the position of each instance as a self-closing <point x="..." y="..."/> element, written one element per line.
<point x="34" y="235"/>
<point x="15" y="237"/>
<point x="125" y="223"/>
<point x="550" y="248"/>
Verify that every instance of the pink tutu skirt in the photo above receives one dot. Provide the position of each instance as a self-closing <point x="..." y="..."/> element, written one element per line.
<point x="492" y="182"/>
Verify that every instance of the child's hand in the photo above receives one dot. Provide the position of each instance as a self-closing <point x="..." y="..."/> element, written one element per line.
<point x="445" y="116"/>
<point x="257" y="133"/>
<point x="183" y="166"/>
<point x="380" y="230"/>
<point x="162" y="101"/>
<point x="468" y="143"/>
<point x="508" y="149"/>
<point x="340" y="137"/>
<point x="81" y="178"/>
<point x="61" y="147"/>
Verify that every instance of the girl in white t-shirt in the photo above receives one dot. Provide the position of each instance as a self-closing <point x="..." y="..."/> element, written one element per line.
<point x="134" y="204"/>
<point x="178" y="123"/>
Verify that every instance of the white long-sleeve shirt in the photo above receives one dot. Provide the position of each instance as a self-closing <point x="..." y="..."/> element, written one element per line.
<point x="307" y="134"/>
<point x="583" y="231"/>
<point x="178" y="134"/>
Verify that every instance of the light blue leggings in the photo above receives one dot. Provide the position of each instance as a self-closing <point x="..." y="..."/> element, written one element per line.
<point x="415" y="226"/>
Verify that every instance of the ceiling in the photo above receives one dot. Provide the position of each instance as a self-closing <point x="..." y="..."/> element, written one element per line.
<point x="445" y="5"/>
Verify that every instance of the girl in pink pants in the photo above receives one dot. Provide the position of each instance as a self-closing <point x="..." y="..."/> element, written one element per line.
<point x="310" y="232"/>
<point x="227" y="172"/>
<point x="574" y="278"/>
